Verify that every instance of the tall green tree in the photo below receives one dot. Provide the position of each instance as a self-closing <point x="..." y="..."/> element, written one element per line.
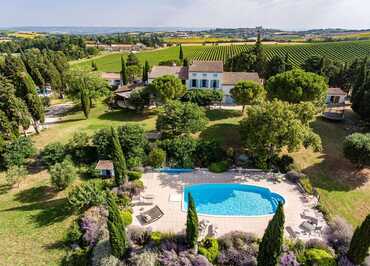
<point x="192" y="226"/>
<point x="288" y="65"/>
<point x="167" y="88"/>
<point x="274" y="66"/>
<point x="85" y="103"/>
<point x="361" y="92"/>
<point x="177" y="118"/>
<point x="360" y="243"/>
<point x="132" y="60"/>
<point x="260" y="57"/>
<point x="124" y="75"/>
<point x="297" y="86"/>
<point x="181" y="54"/>
<point x="146" y="69"/>
<point x="93" y="85"/>
<point x="119" y="161"/>
<point x="117" y="231"/>
<point x="248" y="93"/>
<point x="283" y="126"/>
<point x="272" y="242"/>
<point x="185" y="63"/>
<point x="245" y="61"/>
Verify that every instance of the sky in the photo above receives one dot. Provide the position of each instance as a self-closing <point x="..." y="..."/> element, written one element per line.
<point x="282" y="14"/>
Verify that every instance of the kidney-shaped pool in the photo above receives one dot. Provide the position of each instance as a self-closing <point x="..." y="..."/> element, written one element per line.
<point x="232" y="199"/>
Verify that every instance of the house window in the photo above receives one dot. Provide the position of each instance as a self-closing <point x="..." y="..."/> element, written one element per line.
<point x="214" y="84"/>
<point x="204" y="83"/>
<point x="194" y="74"/>
<point x="204" y="74"/>
<point x="215" y="75"/>
<point x="194" y="83"/>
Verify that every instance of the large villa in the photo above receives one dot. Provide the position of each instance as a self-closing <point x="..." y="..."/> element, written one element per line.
<point x="205" y="75"/>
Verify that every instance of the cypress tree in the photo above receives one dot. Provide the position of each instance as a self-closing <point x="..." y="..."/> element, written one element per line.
<point x="360" y="243"/>
<point x="288" y="66"/>
<point x="271" y="245"/>
<point x="260" y="59"/>
<point x="117" y="231"/>
<point x="85" y="103"/>
<point x="361" y="93"/>
<point x="119" y="162"/>
<point x="146" y="69"/>
<point x="192" y="227"/>
<point x="181" y="54"/>
<point x="185" y="63"/>
<point x="124" y="74"/>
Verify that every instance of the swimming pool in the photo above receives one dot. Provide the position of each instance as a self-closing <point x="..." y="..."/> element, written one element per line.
<point x="232" y="199"/>
<point x="168" y="170"/>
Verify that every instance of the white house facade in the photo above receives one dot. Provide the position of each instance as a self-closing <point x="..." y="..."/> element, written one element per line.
<point x="336" y="96"/>
<point x="205" y="75"/>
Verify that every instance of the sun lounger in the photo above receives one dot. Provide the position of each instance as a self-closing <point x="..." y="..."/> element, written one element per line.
<point x="293" y="234"/>
<point x="152" y="215"/>
<point x="148" y="196"/>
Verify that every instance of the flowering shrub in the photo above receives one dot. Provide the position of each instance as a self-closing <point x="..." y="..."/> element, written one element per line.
<point x="184" y="258"/>
<point x="289" y="259"/>
<point x="238" y="248"/>
<point x="209" y="249"/>
<point x="339" y="234"/>
<point x="101" y="255"/>
<point x="139" y="235"/>
<point x="94" y="225"/>
<point x="146" y="258"/>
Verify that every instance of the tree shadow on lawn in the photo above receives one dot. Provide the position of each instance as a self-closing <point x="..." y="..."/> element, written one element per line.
<point x="219" y="114"/>
<point x="50" y="212"/>
<point x="35" y="194"/>
<point x="125" y="115"/>
<point x="4" y="188"/>
<point x="334" y="172"/>
<point x="226" y="134"/>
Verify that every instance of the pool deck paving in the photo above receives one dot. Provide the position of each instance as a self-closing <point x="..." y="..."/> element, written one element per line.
<point x="166" y="192"/>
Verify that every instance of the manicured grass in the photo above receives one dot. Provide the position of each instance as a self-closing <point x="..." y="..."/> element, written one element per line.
<point x="33" y="222"/>
<point x="112" y="62"/>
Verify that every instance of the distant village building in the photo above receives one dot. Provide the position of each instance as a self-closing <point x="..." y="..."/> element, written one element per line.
<point x="206" y="75"/>
<point x="114" y="79"/>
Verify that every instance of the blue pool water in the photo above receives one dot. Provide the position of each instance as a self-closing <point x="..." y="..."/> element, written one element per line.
<point x="232" y="199"/>
<point x="175" y="170"/>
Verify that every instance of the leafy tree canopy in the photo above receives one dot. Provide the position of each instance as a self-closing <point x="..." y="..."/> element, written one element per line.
<point x="167" y="88"/>
<point x="248" y="93"/>
<point x="270" y="127"/>
<point x="297" y="86"/>
<point x="176" y="118"/>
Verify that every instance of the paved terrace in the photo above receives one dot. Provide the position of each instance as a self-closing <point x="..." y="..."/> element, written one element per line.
<point x="166" y="187"/>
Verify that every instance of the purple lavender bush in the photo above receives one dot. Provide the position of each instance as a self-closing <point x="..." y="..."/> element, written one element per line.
<point x="94" y="225"/>
<point x="339" y="234"/>
<point x="288" y="259"/>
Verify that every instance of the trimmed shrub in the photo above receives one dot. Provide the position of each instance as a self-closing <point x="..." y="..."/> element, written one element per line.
<point x="315" y="256"/>
<point x="288" y="259"/>
<point x="306" y="184"/>
<point x="294" y="176"/>
<point x="284" y="163"/>
<point x="157" y="158"/>
<point x="15" y="174"/>
<point x="134" y="175"/>
<point x="126" y="217"/>
<point x="356" y="148"/>
<point x="146" y="258"/>
<point x="156" y="237"/>
<point x="53" y="153"/>
<point x="16" y="152"/>
<point x="102" y="255"/>
<point x="172" y="258"/>
<point x="209" y="249"/>
<point x="62" y="174"/>
<point x="219" y="167"/>
<point x="74" y="234"/>
<point x="207" y="152"/>
<point x="87" y="195"/>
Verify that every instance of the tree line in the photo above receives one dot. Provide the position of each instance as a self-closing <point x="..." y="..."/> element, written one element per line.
<point x="73" y="46"/>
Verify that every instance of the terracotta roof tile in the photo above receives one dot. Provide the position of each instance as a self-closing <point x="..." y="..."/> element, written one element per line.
<point x="178" y="71"/>
<point x="104" y="165"/>
<point x="207" y="66"/>
<point x="336" y="91"/>
<point x="231" y="78"/>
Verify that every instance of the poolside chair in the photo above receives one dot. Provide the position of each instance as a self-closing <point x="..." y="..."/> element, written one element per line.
<point x="293" y="234"/>
<point x="151" y="215"/>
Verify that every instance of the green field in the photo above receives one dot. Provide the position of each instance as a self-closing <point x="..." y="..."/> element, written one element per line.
<point x="344" y="51"/>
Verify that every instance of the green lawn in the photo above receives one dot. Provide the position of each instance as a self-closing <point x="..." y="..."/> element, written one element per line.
<point x="112" y="62"/>
<point x="34" y="219"/>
